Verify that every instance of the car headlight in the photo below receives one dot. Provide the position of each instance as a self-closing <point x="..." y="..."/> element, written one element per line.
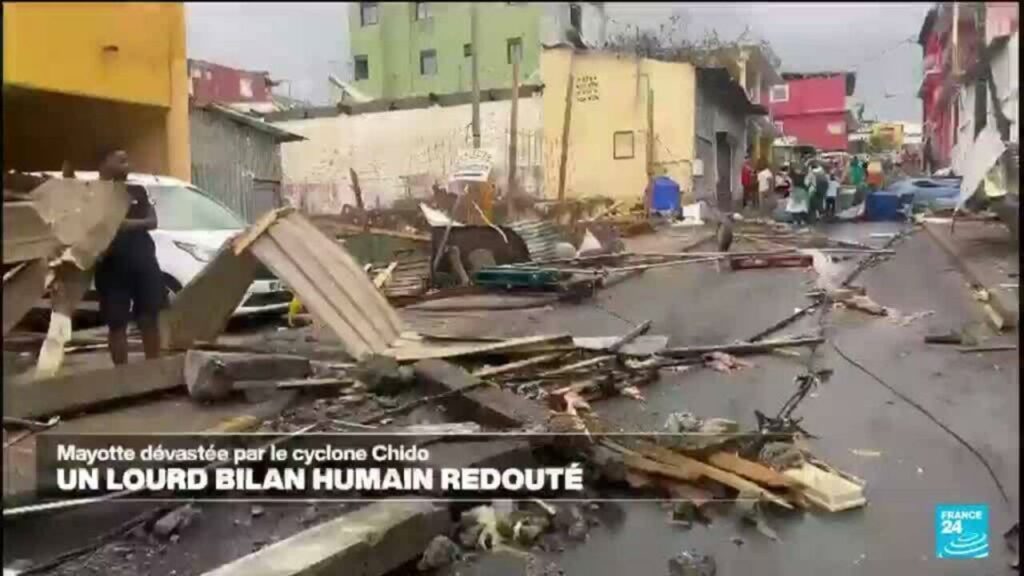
<point x="201" y="253"/>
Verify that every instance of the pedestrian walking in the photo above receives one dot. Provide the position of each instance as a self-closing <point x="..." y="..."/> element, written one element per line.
<point x="796" y="205"/>
<point x="128" y="277"/>
<point x="818" y="190"/>
<point x="831" y="195"/>
<point x="765" y="183"/>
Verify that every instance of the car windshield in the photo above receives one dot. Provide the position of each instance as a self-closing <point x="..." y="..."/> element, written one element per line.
<point x="186" y="208"/>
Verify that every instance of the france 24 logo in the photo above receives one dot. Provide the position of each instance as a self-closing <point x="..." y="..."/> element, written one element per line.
<point x="961" y="531"/>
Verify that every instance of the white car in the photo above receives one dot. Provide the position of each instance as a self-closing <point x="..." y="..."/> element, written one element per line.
<point x="192" y="226"/>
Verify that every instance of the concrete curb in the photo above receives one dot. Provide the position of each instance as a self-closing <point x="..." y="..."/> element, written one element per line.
<point x="996" y="301"/>
<point x="371" y="541"/>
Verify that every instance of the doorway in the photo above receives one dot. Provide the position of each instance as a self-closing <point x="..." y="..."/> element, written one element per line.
<point x="723" y="171"/>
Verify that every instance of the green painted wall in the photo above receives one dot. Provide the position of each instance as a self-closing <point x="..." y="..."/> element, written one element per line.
<point x="393" y="46"/>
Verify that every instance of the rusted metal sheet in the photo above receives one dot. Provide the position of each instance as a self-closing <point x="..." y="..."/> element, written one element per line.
<point x="540" y="237"/>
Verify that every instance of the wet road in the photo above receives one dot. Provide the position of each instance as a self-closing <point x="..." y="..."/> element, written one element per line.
<point x="920" y="465"/>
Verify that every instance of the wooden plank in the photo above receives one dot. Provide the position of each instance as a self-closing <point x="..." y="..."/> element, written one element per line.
<point x="201" y="310"/>
<point x="518" y="365"/>
<point x="26" y="235"/>
<point x="69" y="285"/>
<point x="750" y="470"/>
<point x="379" y="309"/>
<point x="407" y="351"/>
<point x="830" y="490"/>
<point x="22" y="290"/>
<point x="81" y="390"/>
<point x="242" y="242"/>
<point x="271" y="254"/>
<point x="334" y="284"/>
<point x="84" y="216"/>
<point x="384" y="275"/>
<point x="680" y="462"/>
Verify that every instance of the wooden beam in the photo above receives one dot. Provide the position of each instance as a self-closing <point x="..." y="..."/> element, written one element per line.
<point x="566" y="123"/>
<point x="82" y="390"/>
<point x="69" y="285"/>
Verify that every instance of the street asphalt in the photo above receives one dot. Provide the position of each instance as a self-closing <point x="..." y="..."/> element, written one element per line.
<point x="919" y="466"/>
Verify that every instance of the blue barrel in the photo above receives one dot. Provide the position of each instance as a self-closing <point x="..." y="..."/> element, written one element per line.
<point x="665" y="196"/>
<point x="883" y="206"/>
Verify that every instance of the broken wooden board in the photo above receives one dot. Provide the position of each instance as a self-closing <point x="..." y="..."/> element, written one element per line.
<point x="23" y="288"/>
<point x="69" y="286"/>
<point x="411" y="348"/>
<point x="330" y="284"/>
<point x="829" y="490"/>
<point x="517" y="365"/>
<point x="686" y="468"/>
<point x="26" y="235"/>
<point x="84" y="216"/>
<point x="201" y="310"/>
<point x="82" y="390"/>
<point x="751" y="470"/>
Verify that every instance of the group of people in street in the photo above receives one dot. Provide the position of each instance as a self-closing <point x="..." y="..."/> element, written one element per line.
<point x="810" y="188"/>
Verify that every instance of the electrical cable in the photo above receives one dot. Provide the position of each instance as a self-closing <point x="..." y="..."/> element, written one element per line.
<point x="930" y="416"/>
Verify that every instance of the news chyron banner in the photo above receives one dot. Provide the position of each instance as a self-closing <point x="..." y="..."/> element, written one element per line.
<point x="313" y="466"/>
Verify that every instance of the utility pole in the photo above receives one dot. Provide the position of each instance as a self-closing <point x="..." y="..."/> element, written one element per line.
<point x="474" y="62"/>
<point x="513" y="144"/>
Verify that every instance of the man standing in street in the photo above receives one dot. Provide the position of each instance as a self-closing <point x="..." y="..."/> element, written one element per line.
<point x="128" y="277"/>
<point x="747" y="179"/>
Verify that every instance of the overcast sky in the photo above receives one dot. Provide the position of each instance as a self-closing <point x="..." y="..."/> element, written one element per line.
<point x="303" y="42"/>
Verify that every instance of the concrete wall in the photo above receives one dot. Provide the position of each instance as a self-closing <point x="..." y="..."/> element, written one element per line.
<point x="402" y="151"/>
<point x="711" y="119"/>
<point x="228" y="160"/>
<point x="609" y="96"/>
<point x="108" y="52"/>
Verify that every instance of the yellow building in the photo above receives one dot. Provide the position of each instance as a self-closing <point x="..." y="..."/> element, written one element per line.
<point x="80" y="78"/>
<point x="608" y="150"/>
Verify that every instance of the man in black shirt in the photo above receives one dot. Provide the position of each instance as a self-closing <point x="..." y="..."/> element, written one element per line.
<point x="128" y="277"/>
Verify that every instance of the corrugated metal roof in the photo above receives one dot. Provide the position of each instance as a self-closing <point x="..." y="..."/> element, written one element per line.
<point x="540" y="237"/>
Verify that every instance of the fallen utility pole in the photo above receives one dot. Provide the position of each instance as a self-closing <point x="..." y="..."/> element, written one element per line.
<point x="566" y="123"/>
<point x="474" y="17"/>
<point x="741" y="347"/>
<point x="513" y="141"/>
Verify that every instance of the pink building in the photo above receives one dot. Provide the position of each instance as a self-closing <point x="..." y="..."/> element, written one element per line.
<point x="812" y="108"/>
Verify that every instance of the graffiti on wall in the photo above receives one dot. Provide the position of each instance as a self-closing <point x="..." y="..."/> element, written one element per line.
<point x="587" y="88"/>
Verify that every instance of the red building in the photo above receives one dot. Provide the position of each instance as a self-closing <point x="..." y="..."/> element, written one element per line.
<point x="812" y="108"/>
<point x="947" y="104"/>
<point x="215" y="83"/>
